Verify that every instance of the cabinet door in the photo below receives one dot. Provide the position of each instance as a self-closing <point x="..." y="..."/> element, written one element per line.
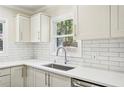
<point x="30" y="80"/>
<point x="40" y="78"/>
<point x="59" y="81"/>
<point x="117" y="21"/>
<point x="45" y="28"/>
<point x="17" y="78"/>
<point x="5" y="81"/>
<point x="23" y="29"/>
<point x="93" y="22"/>
<point x="35" y="27"/>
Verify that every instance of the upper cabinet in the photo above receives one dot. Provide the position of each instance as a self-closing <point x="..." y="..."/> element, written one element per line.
<point x="35" y="28"/>
<point x="93" y="22"/>
<point x="22" y="28"/>
<point x="40" y="28"/>
<point x="32" y="29"/>
<point x="117" y="21"/>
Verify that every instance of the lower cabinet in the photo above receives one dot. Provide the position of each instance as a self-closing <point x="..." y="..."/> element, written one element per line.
<point x="59" y="80"/>
<point x="21" y="76"/>
<point x="5" y="81"/>
<point x="5" y="77"/>
<point x="40" y="78"/>
<point x="18" y="76"/>
<point x="47" y="79"/>
<point x="30" y="80"/>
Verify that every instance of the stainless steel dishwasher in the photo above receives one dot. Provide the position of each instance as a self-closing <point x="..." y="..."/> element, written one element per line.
<point x="81" y="83"/>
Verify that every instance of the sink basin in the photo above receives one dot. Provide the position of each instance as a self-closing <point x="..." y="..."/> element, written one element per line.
<point x="60" y="67"/>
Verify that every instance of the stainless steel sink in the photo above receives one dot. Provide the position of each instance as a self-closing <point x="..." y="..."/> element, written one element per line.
<point x="60" y="67"/>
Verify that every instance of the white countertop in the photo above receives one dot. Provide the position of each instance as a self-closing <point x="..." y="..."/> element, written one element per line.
<point x="103" y="77"/>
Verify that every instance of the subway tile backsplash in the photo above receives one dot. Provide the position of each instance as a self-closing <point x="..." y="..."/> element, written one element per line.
<point x="104" y="54"/>
<point x="18" y="51"/>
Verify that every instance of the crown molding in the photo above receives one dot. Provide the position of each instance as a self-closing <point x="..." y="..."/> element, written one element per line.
<point x="18" y="9"/>
<point x="46" y="7"/>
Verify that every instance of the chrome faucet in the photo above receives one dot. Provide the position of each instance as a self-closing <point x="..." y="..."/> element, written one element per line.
<point x="57" y="52"/>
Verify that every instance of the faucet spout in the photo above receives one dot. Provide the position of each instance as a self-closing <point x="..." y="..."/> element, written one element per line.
<point x="57" y="52"/>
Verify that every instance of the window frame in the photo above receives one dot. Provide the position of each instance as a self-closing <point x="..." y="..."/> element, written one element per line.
<point x="5" y="36"/>
<point x="53" y="44"/>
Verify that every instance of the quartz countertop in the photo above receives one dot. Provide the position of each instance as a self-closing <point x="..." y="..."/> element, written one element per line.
<point x="98" y="76"/>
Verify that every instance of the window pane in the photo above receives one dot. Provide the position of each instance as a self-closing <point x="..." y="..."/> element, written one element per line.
<point x="1" y="28"/>
<point x="66" y="42"/>
<point x="1" y="45"/>
<point x="65" y="27"/>
<point x="59" y="42"/>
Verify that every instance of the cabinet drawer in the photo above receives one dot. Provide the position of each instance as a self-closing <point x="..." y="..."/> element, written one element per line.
<point x="4" y="71"/>
<point x="5" y="81"/>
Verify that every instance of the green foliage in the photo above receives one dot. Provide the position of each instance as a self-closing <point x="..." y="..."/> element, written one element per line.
<point x="65" y="27"/>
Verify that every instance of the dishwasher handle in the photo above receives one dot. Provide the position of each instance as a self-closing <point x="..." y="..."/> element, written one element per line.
<point x="80" y="83"/>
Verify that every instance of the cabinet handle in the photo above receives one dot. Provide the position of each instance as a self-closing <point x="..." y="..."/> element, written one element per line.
<point x="45" y="79"/>
<point x="48" y="80"/>
<point x="22" y="71"/>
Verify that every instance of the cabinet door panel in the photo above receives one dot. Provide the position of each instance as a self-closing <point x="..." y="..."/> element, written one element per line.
<point x="40" y="28"/>
<point x="35" y="28"/>
<point x="45" y="28"/>
<point x="24" y="29"/>
<point x="40" y="78"/>
<point x="17" y="79"/>
<point x="5" y="71"/>
<point x="93" y="22"/>
<point x="117" y="21"/>
<point x="59" y="81"/>
<point x="5" y="81"/>
<point x="30" y="77"/>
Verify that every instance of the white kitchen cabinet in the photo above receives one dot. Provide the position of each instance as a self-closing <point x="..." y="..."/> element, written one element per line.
<point x="59" y="80"/>
<point x="40" y="78"/>
<point x="5" y="81"/>
<point x="18" y="76"/>
<point x="30" y="80"/>
<point x="117" y="21"/>
<point x="48" y="79"/>
<point x="40" y="28"/>
<point x="35" y="27"/>
<point x="5" y="77"/>
<point x="22" y="28"/>
<point x="93" y="22"/>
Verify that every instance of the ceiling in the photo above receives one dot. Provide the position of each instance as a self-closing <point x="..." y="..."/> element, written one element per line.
<point x="30" y="9"/>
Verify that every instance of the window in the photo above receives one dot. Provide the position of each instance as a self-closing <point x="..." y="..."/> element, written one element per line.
<point x="3" y="36"/>
<point x="63" y="34"/>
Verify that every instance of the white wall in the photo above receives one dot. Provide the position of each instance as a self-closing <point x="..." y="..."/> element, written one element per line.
<point x="15" y="51"/>
<point x="10" y="15"/>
